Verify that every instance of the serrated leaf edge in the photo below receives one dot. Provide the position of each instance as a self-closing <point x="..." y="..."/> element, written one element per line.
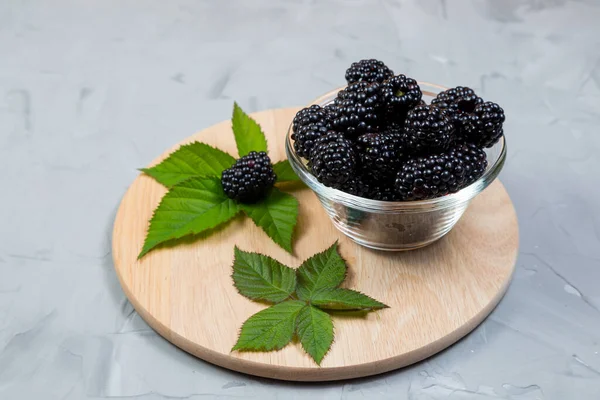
<point x="240" y="349"/>
<point x="236" y="249"/>
<point x="308" y="305"/>
<point x="237" y="106"/>
<point x="334" y="246"/>
<point x="146" y="170"/>
<point x="286" y="246"/>
<point x="383" y="305"/>
<point x="144" y="251"/>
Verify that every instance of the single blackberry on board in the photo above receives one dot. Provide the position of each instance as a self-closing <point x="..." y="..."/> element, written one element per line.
<point x="487" y="120"/>
<point x="380" y="154"/>
<point x="399" y="94"/>
<point x="309" y="124"/>
<point x="439" y="174"/>
<point x="368" y="71"/>
<point x="250" y="178"/>
<point x="333" y="160"/>
<point x="459" y="103"/>
<point x="428" y="129"/>
<point x="356" y="109"/>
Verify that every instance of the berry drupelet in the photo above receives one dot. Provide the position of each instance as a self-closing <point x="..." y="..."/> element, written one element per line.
<point x="427" y="129"/>
<point x="439" y="174"/>
<point x="380" y="154"/>
<point x="368" y="71"/>
<point x="309" y="124"/>
<point x="333" y="160"/>
<point x="399" y="94"/>
<point x="356" y="109"/>
<point x="459" y="103"/>
<point x="250" y="178"/>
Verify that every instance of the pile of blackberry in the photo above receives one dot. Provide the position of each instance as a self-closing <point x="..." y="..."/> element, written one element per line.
<point x="378" y="139"/>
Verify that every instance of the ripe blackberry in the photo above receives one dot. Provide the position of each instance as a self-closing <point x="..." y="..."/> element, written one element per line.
<point x="399" y="95"/>
<point x="250" y="178"/>
<point x="427" y="129"/>
<point x="356" y="109"/>
<point x="333" y="160"/>
<point x="459" y="103"/>
<point x="368" y="71"/>
<point x="394" y="128"/>
<point x="384" y="192"/>
<point x="357" y="185"/>
<point x="487" y="120"/>
<point x="474" y="160"/>
<point x="380" y="154"/>
<point x="309" y="124"/>
<point x="439" y="174"/>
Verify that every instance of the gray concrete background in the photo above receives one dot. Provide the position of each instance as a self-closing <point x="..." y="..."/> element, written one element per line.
<point x="89" y="91"/>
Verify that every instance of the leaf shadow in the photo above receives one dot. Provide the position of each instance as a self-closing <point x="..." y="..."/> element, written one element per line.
<point x="291" y="186"/>
<point x="348" y="314"/>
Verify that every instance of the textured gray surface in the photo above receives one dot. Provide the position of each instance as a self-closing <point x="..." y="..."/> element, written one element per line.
<point x="89" y="91"/>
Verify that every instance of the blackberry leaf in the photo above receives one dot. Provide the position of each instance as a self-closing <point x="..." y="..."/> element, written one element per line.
<point x="270" y="329"/>
<point x="190" y="160"/>
<point x="326" y="270"/>
<point x="248" y="134"/>
<point x="259" y="277"/>
<point x="277" y="215"/>
<point x="284" y="172"/>
<point x="190" y="207"/>
<point x="344" y="299"/>
<point x="315" y="331"/>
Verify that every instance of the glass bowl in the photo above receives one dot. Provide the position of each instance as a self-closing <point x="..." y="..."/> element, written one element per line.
<point x="395" y="225"/>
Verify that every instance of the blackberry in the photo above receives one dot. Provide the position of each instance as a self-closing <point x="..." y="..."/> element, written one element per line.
<point x="309" y="124"/>
<point x="250" y="178"/>
<point x="487" y="120"/>
<point x="368" y="71"/>
<point x="380" y="154"/>
<point x="400" y="94"/>
<point x="333" y="160"/>
<point x="428" y="129"/>
<point x="474" y="160"/>
<point x="439" y="174"/>
<point x="356" y="109"/>
<point x="357" y="185"/>
<point x="364" y="186"/>
<point x="384" y="192"/>
<point x="395" y="128"/>
<point x="459" y="103"/>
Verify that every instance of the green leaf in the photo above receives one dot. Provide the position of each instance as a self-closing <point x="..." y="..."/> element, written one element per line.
<point x="190" y="160"/>
<point x="259" y="277"/>
<point x="315" y="331"/>
<point x="344" y="299"/>
<point x="191" y="207"/>
<point x="277" y="215"/>
<point x="270" y="329"/>
<point x="248" y="134"/>
<point x="326" y="270"/>
<point x="284" y="172"/>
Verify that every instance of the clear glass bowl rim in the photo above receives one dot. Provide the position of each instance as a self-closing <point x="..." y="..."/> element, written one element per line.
<point x="369" y="205"/>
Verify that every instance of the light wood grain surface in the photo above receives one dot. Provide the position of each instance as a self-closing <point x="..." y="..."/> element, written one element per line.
<point x="437" y="294"/>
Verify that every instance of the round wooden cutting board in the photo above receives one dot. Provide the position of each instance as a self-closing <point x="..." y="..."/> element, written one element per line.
<point x="436" y="294"/>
